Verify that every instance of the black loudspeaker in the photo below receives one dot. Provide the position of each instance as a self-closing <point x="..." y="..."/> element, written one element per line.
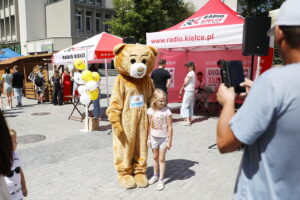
<point x="255" y="38"/>
<point x="129" y="40"/>
<point x="233" y="75"/>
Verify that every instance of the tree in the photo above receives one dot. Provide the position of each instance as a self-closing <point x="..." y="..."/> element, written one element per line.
<point x="258" y="7"/>
<point x="136" y="17"/>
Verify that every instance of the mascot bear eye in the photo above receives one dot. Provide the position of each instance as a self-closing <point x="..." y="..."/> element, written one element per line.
<point x="132" y="61"/>
<point x="144" y="61"/>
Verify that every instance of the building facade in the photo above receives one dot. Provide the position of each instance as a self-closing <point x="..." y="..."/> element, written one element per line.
<point x="199" y="3"/>
<point x="9" y="24"/>
<point x="51" y="25"/>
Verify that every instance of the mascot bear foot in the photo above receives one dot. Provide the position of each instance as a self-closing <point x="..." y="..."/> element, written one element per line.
<point x="141" y="180"/>
<point x="127" y="181"/>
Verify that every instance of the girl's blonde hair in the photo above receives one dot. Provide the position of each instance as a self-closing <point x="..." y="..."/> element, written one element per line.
<point x="158" y="93"/>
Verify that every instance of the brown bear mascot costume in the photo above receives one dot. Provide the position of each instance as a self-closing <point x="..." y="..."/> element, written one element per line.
<point x="130" y="99"/>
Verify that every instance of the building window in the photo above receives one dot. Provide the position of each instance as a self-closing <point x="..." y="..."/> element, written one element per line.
<point x="81" y="1"/>
<point x="98" y="22"/>
<point x="88" y="20"/>
<point x="91" y="2"/>
<point x="107" y="17"/>
<point x="98" y="3"/>
<point x="78" y="16"/>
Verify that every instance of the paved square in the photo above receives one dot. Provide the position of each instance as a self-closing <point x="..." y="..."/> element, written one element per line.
<point x="71" y="164"/>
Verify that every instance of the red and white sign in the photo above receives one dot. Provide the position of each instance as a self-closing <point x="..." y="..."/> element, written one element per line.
<point x="204" y="20"/>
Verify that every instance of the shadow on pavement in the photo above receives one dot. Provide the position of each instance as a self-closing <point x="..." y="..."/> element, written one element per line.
<point x="177" y="169"/>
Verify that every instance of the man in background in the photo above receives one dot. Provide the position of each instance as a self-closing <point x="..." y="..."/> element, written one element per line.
<point x="268" y="121"/>
<point x="221" y="64"/>
<point x="161" y="77"/>
<point x="18" y="85"/>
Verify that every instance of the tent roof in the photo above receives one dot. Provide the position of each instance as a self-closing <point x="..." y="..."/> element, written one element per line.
<point x="213" y="13"/>
<point x="214" y="25"/>
<point x="98" y="47"/>
<point x="8" y="53"/>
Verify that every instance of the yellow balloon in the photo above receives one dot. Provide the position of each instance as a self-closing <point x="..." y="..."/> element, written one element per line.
<point x="96" y="76"/>
<point x="94" y="94"/>
<point x="79" y="64"/>
<point x="86" y="75"/>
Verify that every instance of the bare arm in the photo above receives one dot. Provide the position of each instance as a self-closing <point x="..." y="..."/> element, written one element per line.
<point x="226" y="140"/>
<point x="149" y="130"/>
<point x="168" y="83"/>
<point x="186" y="80"/>
<point x="23" y="183"/>
<point x="170" y="132"/>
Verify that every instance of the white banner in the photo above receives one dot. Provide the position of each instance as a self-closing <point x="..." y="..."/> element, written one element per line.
<point x="217" y="35"/>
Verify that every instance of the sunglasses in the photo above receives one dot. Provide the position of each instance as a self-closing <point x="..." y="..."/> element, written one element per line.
<point x="11" y="173"/>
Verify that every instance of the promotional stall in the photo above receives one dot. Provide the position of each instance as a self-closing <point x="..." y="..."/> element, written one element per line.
<point x="97" y="49"/>
<point x="214" y="32"/>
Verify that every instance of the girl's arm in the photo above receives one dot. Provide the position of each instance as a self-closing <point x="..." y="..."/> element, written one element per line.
<point x="170" y="132"/>
<point x="149" y="130"/>
<point x="23" y="183"/>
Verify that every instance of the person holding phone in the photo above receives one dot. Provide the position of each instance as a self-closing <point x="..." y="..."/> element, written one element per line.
<point x="268" y="121"/>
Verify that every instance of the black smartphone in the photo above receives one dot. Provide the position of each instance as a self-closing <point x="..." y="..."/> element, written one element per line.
<point x="233" y="75"/>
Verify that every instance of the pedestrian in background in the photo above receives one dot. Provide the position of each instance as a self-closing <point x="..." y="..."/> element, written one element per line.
<point x="160" y="135"/>
<point x="268" y="121"/>
<point x="15" y="180"/>
<point x="18" y="85"/>
<point x="1" y="90"/>
<point x="7" y="81"/>
<point x="39" y="82"/>
<point x="187" y="105"/>
<point x="96" y="103"/>
<point x="66" y="84"/>
<point x="56" y="82"/>
<point x="161" y="77"/>
<point x="6" y="157"/>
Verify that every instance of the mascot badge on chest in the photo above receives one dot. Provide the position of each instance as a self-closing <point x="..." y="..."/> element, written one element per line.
<point x="127" y="112"/>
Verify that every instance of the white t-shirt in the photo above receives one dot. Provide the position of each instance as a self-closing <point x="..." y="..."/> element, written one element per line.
<point x="14" y="183"/>
<point x="190" y="86"/>
<point x="159" y="123"/>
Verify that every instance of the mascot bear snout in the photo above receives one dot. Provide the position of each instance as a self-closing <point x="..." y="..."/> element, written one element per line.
<point x="138" y="70"/>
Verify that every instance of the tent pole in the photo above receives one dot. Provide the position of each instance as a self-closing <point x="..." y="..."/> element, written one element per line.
<point x="86" y="106"/>
<point x="106" y="77"/>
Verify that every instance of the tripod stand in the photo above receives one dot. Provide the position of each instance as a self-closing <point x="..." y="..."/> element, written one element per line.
<point x="211" y="146"/>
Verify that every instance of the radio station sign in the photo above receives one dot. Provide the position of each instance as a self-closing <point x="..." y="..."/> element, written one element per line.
<point x="204" y="20"/>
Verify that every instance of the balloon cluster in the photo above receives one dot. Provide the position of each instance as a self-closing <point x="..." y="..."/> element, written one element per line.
<point x="89" y="91"/>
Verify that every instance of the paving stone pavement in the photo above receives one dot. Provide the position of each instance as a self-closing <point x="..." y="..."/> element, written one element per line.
<point x="71" y="164"/>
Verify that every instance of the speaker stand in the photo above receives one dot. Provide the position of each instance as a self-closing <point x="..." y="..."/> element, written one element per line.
<point x="252" y="67"/>
<point x="211" y="146"/>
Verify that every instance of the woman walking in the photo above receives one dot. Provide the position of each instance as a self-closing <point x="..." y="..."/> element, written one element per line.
<point x="7" y="81"/>
<point x="187" y="110"/>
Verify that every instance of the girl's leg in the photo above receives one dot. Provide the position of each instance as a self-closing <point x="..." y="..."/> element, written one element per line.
<point x="162" y="163"/>
<point x="155" y="158"/>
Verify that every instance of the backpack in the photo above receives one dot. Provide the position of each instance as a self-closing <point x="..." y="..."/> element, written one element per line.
<point x="38" y="81"/>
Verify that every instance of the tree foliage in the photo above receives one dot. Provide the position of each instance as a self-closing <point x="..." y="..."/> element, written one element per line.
<point x="136" y="17"/>
<point x="261" y="8"/>
<point x="258" y="7"/>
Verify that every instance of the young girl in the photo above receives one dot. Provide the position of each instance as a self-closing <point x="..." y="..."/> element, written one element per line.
<point x="15" y="180"/>
<point x="6" y="157"/>
<point x="159" y="135"/>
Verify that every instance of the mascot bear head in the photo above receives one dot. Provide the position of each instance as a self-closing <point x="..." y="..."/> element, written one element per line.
<point x="134" y="60"/>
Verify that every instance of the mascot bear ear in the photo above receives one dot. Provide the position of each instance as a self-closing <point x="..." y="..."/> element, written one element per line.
<point x="118" y="48"/>
<point x="154" y="50"/>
